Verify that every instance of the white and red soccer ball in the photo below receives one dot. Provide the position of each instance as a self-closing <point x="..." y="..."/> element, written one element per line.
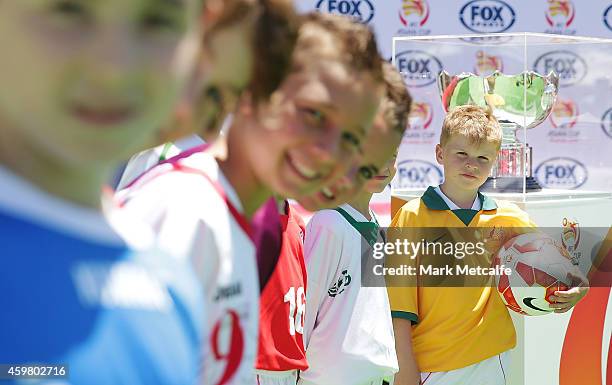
<point x="539" y="267"/>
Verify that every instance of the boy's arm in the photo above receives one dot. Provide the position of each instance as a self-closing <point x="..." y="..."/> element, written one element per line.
<point x="403" y="299"/>
<point x="409" y="373"/>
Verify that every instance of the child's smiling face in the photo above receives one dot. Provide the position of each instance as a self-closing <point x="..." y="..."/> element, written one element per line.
<point x="89" y="81"/>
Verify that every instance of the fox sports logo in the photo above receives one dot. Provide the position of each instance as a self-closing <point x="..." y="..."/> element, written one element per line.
<point x="570" y="67"/>
<point x="607" y="17"/>
<point x="361" y="10"/>
<point x="414" y="173"/>
<point x="484" y="16"/>
<point x="561" y="172"/>
<point x="418" y="68"/>
<point x="606" y="122"/>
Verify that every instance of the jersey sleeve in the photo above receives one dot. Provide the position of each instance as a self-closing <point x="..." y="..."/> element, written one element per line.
<point x="174" y="217"/>
<point x="402" y="291"/>
<point x="138" y="165"/>
<point x="322" y="251"/>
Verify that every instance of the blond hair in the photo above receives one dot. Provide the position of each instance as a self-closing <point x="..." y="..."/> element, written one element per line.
<point x="397" y="100"/>
<point x="476" y="123"/>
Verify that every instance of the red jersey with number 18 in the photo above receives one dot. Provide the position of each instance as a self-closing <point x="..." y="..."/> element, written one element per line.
<point x="282" y="304"/>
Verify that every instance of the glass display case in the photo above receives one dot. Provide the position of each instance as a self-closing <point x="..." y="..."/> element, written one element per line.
<point x="568" y="154"/>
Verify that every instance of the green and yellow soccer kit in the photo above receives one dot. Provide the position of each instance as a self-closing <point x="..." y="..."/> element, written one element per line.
<point x="454" y="327"/>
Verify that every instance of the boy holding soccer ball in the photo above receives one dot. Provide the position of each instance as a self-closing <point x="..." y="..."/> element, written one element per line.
<point x="447" y="335"/>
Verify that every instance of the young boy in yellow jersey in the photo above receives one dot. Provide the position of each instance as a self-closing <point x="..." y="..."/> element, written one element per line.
<point x="449" y="335"/>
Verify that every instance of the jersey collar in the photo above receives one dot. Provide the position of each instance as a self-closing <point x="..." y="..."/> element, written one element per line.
<point x="434" y="201"/>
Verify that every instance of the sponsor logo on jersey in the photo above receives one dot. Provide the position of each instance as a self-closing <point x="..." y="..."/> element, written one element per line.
<point x="559" y="16"/>
<point x="570" y="67"/>
<point x="341" y="283"/>
<point x="225" y="292"/>
<point x="486" y="16"/>
<point x="414" y="14"/>
<point x="419" y="129"/>
<point x="607" y="17"/>
<point x="487" y="64"/>
<point x="415" y="173"/>
<point x="361" y="10"/>
<point x="606" y="122"/>
<point x="418" y="68"/>
<point x="561" y="172"/>
<point x="570" y="239"/>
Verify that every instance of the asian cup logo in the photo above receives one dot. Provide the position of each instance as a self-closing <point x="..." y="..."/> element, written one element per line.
<point x="361" y="10"/>
<point x="564" y="114"/>
<point x="606" y="122"/>
<point x="420" y="118"/>
<point x="570" y="239"/>
<point x="560" y="15"/>
<point x="414" y="15"/>
<point x="484" y="16"/>
<point x="487" y="64"/>
<point x="421" y="115"/>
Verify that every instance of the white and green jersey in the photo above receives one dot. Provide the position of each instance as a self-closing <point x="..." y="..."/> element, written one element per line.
<point x="147" y="159"/>
<point x="348" y="332"/>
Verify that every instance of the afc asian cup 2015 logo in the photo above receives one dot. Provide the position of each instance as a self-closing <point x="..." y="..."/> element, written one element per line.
<point x="420" y="118"/>
<point x="414" y="14"/>
<point x="361" y="10"/>
<point x="564" y="114"/>
<point x="563" y="119"/>
<point x="570" y="239"/>
<point x="487" y="64"/>
<point x="560" y="15"/>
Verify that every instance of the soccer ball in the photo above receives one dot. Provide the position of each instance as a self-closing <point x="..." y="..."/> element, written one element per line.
<point x="539" y="267"/>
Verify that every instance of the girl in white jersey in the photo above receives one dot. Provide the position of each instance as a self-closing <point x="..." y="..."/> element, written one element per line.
<point x="292" y="144"/>
<point x="348" y="331"/>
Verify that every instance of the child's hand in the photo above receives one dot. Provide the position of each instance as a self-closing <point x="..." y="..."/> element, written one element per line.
<point x="565" y="300"/>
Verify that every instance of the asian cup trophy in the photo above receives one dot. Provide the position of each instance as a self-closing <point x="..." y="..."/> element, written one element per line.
<point x="520" y="101"/>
